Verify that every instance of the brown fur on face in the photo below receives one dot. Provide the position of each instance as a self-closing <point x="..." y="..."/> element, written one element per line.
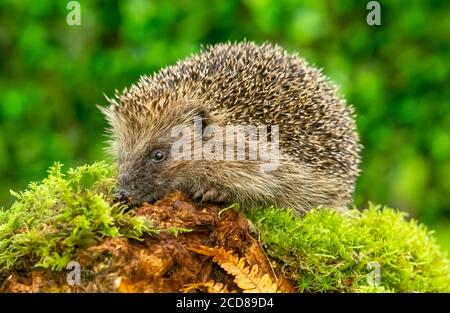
<point x="132" y="143"/>
<point x="238" y="84"/>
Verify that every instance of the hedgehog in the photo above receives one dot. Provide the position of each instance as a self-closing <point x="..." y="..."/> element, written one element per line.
<point x="227" y="84"/>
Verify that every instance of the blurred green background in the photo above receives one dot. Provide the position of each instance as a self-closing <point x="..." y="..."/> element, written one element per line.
<point x="396" y="75"/>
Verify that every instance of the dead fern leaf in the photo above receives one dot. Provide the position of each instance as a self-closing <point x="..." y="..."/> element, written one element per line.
<point x="210" y="286"/>
<point x="249" y="279"/>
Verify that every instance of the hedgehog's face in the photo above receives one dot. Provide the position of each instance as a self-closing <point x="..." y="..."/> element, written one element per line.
<point x="142" y="175"/>
<point x="147" y="169"/>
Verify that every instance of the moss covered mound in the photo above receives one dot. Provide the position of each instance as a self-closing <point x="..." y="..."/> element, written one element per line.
<point x="53" y="218"/>
<point x="378" y="250"/>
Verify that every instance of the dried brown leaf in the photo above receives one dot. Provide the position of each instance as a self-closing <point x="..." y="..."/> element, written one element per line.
<point x="249" y="279"/>
<point x="210" y="286"/>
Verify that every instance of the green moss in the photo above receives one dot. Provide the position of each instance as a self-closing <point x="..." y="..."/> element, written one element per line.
<point x="53" y="218"/>
<point x="327" y="251"/>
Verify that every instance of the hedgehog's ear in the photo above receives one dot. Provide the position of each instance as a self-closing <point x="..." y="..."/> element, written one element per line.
<point x="203" y="115"/>
<point x="198" y="117"/>
<point x="198" y="114"/>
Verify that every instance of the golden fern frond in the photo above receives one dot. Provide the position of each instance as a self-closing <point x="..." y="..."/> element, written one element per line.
<point x="249" y="279"/>
<point x="211" y="286"/>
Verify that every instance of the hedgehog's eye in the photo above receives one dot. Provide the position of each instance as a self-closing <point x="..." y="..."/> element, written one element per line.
<point x="158" y="156"/>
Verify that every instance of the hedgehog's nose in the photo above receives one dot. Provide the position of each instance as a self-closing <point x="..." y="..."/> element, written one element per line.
<point x="122" y="196"/>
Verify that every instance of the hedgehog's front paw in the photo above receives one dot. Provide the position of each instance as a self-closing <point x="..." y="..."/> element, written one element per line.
<point x="211" y="195"/>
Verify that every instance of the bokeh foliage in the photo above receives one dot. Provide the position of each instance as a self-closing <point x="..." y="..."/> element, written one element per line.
<point x="396" y="75"/>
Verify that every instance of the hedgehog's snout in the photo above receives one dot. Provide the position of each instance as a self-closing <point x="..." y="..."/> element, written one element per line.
<point x="122" y="196"/>
<point x="135" y="187"/>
